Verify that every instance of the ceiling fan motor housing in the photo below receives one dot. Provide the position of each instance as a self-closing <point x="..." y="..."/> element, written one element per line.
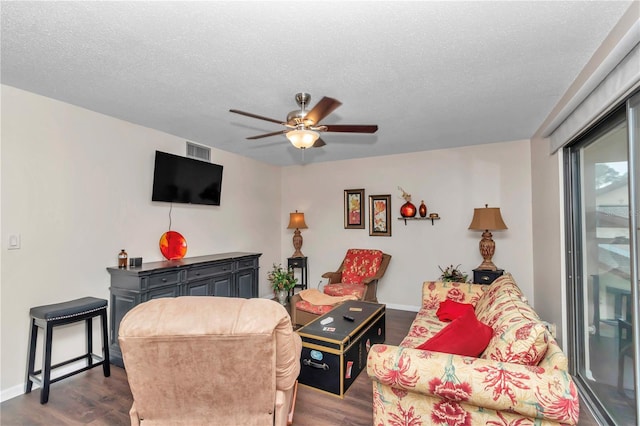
<point x="303" y="99"/>
<point x="296" y="118"/>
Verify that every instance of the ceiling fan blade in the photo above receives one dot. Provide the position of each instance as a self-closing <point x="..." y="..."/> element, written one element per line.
<point x="323" y="108"/>
<point x="318" y="143"/>
<point x="351" y="128"/>
<point x="259" y="117"/>
<point x="266" y="135"/>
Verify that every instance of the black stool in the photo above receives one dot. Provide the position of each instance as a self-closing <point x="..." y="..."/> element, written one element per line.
<point x="49" y="316"/>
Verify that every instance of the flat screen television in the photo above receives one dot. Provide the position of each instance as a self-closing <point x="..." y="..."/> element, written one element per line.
<point x="179" y="179"/>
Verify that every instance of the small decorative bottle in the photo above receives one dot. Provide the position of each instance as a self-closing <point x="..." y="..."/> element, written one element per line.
<point x="422" y="209"/>
<point x="122" y="259"/>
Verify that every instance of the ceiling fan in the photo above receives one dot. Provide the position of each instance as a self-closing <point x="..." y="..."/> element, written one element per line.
<point x="303" y="127"/>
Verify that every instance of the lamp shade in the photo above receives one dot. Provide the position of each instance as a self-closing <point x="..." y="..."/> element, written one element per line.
<point x="486" y="218"/>
<point x="302" y="139"/>
<point x="296" y="221"/>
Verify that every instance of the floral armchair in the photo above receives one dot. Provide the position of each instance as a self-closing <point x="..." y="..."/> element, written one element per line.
<point x="356" y="278"/>
<point x="358" y="274"/>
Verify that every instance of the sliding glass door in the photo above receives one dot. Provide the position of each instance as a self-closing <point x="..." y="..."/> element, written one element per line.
<point x="602" y="272"/>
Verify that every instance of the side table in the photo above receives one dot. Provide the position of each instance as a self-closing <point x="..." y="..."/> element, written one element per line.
<point x="481" y="276"/>
<point x="301" y="263"/>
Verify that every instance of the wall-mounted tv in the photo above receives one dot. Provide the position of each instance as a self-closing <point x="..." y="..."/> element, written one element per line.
<point x="179" y="179"/>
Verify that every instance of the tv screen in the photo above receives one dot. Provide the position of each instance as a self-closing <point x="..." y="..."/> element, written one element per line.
<point x="185" y="180"/>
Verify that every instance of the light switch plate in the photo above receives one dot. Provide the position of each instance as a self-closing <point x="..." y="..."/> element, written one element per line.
<point x="14" y="241"/>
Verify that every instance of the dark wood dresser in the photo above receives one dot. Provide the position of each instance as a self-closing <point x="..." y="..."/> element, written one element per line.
<point x="225" y="274"/>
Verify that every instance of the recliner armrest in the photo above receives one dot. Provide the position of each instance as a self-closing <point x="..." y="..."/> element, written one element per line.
<point x="288" y="349"/>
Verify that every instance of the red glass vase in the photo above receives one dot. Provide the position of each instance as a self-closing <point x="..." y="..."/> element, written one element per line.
<point x="408" y="210"/>
<point x="423" y="209"/>
<point x="173" y="245"/>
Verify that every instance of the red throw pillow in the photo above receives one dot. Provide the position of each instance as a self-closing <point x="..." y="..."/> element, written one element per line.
<point x="450" y="310"/>
<point x="464" y="336"/>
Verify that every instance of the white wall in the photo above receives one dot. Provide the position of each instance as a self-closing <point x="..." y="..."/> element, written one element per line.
<point x="76" y="185"/>
<point x="548" y="240"/>
<point x="452" y="183"/>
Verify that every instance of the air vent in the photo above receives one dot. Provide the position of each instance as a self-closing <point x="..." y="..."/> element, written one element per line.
<point x="198" y="152"/>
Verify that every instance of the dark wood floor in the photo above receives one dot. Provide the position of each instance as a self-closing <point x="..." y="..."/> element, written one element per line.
<point x="91" y="399"/>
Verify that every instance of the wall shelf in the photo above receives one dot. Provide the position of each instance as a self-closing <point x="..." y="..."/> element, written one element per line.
<point x="432" y="219"/>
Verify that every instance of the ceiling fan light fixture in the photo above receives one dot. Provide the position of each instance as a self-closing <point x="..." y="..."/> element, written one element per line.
<point x="302" y="138"/>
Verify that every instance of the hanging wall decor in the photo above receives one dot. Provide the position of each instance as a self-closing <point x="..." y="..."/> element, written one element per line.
<point x="354" y="209"/>
<point x="380" y="215"/>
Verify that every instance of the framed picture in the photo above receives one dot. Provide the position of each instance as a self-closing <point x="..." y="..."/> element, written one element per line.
<point x="380" y="215"/>
<point x="354" y="209"/>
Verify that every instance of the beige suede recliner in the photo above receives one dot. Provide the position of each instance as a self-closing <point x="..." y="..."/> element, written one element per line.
<point x="210" y="360"/>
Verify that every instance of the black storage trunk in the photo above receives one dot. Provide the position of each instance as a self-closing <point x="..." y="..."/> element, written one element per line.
<point x="334" y="354"/>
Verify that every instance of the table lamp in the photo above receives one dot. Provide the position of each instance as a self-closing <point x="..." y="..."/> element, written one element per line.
<point x="484" y="219"/>
<point x="296" y="221"/>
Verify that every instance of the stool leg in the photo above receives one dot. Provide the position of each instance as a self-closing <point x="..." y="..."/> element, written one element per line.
<point x="31" y="360"/>
<point x="89" y="332"/>
<point x="46" y="364"/>
<point x="106" y="366"/>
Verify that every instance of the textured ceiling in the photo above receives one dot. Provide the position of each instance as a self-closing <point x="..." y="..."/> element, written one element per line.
<point x="430" y="74"/>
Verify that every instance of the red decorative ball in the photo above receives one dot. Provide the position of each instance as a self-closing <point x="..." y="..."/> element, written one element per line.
<point x="408" y="210"/>
<point x="173" y="245"/>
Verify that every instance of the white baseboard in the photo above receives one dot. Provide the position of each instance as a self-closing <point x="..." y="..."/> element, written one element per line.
<point x="409" y="308"/>
<point x="18" y="390"/>
<point x="12" y="392"/>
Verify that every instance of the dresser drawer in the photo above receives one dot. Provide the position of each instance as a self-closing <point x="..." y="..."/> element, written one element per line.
<point x="247" y="263"/>
<point x="165" y="278"/>
<point x="297" y="262"/>
<point x="207" y="271"/>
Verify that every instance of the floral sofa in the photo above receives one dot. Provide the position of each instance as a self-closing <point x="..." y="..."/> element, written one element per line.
<point x="521" y="378"/>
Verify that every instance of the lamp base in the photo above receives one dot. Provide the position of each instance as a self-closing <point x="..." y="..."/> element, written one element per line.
<point x="487" y="249"/>
<point x="487" y="266"/>
<point x="297" y="243"/>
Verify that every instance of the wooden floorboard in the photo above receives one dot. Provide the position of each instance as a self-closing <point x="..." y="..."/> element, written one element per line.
<point x="92" y="399"/>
